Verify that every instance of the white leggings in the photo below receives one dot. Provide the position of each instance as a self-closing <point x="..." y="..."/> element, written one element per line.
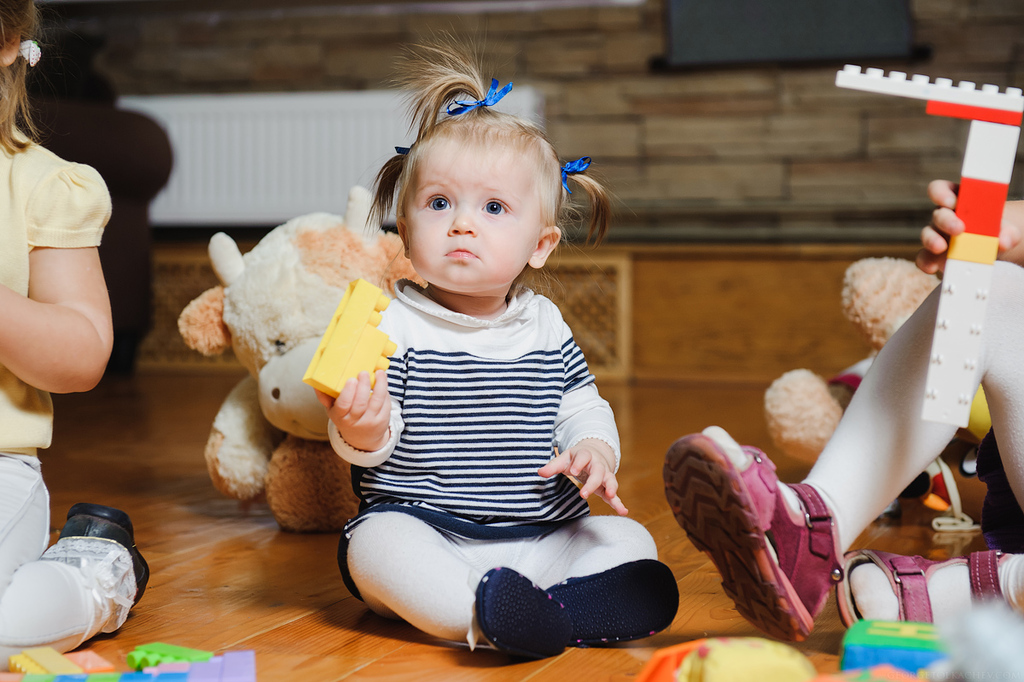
<point x="405" y="568"/>
<point x="42" y="603"/>
<point x="882" y="444"/>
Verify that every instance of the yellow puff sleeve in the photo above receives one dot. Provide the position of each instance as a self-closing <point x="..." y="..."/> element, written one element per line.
<point x="68" y="209"/>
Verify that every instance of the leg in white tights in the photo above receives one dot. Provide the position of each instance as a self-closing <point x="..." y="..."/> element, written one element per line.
<point x="48" y="602"/>
<point x="404" y="567"/>
<point x="881" y="443"/>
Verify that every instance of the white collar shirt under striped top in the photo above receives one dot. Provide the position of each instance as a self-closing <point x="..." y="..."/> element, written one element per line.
<point x="477" y="406"/>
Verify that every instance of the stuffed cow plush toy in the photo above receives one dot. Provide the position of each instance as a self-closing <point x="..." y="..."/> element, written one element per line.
<point x="269" y="439"/>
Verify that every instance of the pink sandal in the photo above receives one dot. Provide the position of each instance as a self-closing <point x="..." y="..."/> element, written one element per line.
<point x="909" y="575"/>
<point x="777" y="568"/>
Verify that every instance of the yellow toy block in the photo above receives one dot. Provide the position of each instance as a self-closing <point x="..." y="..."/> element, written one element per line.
<point x="20" y="663"/>
<point x="975" y="248"/>
<point x="43" y="659"/>
<point x="352" y="342"/>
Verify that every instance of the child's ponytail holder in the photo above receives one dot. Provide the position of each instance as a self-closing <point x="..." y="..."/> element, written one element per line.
<point x="30" y="51"/>
<point x="573" y="167"/>
<point x="493" y="97"/>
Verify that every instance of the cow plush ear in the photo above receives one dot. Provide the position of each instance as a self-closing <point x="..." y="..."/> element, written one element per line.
<point x="201" y="323"/>
<point x="225" y="258"/>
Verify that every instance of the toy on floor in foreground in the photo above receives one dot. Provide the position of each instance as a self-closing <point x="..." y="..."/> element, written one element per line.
<point x="156" y="662"/>
<point x="270" y="436"/>
<point x="906" y="645"/>
<point x="352" y="342"/>
<point x="723" y="659"/>
<point x="985" y="177"/>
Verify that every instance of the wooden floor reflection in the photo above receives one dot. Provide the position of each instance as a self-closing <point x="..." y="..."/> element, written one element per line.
<point x="224" y="577"/>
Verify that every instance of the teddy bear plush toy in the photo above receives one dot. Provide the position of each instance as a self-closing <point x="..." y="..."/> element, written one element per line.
<point x="802" y="409"/>
<point x="269" y="438"/>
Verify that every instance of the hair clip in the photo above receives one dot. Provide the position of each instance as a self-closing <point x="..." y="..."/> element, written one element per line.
<point x="30" y="51"/>
<point x="578" y="166"/>
<point x="493" y="97"/>
<point x="403" y="150"/>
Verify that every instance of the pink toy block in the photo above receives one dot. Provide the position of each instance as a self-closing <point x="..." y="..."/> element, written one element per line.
<point x="90" y="661"/>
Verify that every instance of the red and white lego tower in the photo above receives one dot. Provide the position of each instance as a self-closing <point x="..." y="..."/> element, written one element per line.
<point x="984" y="178"/>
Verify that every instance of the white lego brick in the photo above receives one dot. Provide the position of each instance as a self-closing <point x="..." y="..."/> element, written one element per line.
<point x="991" y="151"/>
<point x="953" y="371"/>
<point x="921" y="87"/>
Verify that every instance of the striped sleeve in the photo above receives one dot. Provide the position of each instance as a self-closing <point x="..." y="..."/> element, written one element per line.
<point x="577" y="373"/>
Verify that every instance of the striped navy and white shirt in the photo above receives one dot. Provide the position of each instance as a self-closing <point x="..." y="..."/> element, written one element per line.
<point x="477" y="407"/>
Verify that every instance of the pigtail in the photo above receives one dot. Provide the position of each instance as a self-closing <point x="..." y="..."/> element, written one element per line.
<point x="437" y="75"/>
<point x="600" y="206"/>
<point x="385" y="185"/>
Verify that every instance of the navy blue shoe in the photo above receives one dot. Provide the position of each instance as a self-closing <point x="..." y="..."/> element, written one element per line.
<point x="631" y="601"/>
<point x="518" y="617"/>
<point x="98" y="521"/>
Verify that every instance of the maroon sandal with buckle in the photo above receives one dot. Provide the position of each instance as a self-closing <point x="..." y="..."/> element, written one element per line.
<point x="909" y="575"/>
<point x="776" y="566"/>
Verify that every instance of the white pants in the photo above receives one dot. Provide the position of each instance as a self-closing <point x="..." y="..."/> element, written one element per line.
<point x="42" y="603"/>
<point x="882" y="444"/>
<point x="405" y="568"/>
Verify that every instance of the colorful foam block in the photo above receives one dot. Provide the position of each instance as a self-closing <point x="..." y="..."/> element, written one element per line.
<point x="48" y="660"/>
<point x="906" y="645"/>
<point x="878" y="673"/>
<point x="239" y="666"/>
<point x="156" y="653"/>
<point x="352" y="342"/>
<point x="89" y="661"/>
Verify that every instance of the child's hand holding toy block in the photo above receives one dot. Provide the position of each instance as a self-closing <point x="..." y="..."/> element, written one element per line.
<point x="352" y="342"/>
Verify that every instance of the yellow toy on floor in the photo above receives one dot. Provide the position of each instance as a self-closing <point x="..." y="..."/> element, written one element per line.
<point x="724" y="659"/>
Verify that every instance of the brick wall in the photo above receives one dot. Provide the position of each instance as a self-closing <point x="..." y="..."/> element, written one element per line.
<point x="765" y="152"/>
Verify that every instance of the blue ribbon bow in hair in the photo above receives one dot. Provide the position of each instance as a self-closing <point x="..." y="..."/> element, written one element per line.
<point x="578" y="166"/>
<point x="493" y="97"/>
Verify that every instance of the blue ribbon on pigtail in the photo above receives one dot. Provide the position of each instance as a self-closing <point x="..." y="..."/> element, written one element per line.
<point x="493" y="97"/>
<point x="403" y="150"/>
<point x="578" y="166"/>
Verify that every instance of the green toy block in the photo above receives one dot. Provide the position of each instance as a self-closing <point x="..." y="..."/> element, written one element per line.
<point x="103" y="677"/>
<point x="906" y="645"/>
<point x="156" y="653"/>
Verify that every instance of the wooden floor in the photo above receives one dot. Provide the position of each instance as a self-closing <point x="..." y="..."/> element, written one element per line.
<point x="226" y="578"/>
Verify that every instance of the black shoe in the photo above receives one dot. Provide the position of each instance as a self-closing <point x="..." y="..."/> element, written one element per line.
<point x="86" y="520"/>
<point x="518" y="617"/>
<point x="632" y="600"/>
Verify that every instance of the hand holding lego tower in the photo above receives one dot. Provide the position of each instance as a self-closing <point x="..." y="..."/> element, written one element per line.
<point x="985" y="177"/>
<point x="352" y="342"/>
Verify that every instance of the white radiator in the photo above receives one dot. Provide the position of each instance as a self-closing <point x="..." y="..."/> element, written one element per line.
<point x="261" y="159"/>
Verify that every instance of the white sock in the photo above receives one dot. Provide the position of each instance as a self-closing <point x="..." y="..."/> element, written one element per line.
<point x="1011" y="580"/>
<point x="949" y="589"/>
<point x="742" y="460"/>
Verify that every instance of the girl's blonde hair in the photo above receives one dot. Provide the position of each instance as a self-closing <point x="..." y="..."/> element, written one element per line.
<point x="438" y="75"/>
<point x="18" y="22"/>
